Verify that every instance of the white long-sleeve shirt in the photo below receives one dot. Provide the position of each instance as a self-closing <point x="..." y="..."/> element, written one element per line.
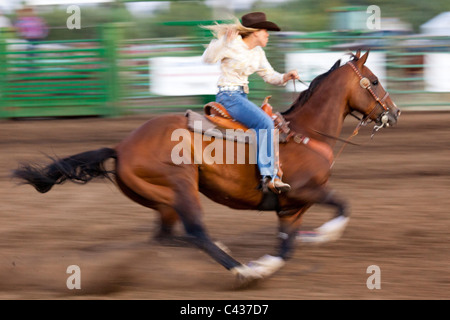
<point x="238" y="62"/>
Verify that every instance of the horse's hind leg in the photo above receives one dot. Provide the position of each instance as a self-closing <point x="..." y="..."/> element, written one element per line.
<point x="188" y="207"/>
<point x="168" y="216"/>
<point x="180" y="193"/>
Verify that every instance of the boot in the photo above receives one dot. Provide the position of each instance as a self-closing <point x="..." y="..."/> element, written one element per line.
<point x="277" y="186"/>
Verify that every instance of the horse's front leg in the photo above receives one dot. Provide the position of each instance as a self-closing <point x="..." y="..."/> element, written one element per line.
<point x="288" y="227"/>
<point x="289" y="224"/>
<point x="332" y="229"/>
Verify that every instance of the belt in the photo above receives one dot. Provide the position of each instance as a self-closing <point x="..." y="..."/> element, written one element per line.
<point x="231" y="88"/>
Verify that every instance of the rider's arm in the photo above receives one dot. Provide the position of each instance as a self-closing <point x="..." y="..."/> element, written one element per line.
<point x="273" y="77"/>
<point x="267" y="72"/>
<point x="215" y="50"/>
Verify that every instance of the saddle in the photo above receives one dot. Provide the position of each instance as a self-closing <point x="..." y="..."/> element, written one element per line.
<point x="217" y="114"/>
<point x="217" y="117"/>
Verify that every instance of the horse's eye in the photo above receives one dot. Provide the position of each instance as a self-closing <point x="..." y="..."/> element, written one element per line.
<point x="375" y="82"/>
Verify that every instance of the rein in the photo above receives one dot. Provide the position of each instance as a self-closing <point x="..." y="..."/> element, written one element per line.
<point x="325" y="134"/>
<point x="320" y="147"/>
<point x="336" y="138"/>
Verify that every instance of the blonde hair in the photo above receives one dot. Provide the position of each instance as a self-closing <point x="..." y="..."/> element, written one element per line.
<point x="219" y="30"/>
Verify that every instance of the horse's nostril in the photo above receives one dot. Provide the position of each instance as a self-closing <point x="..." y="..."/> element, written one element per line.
<point x="398" y="113"/>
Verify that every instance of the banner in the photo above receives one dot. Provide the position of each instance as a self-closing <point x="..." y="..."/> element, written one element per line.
<point x="437" y="72"/>
<point x="183" y="76"/>
<point x="187" y="76"/>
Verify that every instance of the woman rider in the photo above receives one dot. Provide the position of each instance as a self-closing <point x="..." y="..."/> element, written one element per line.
<point x="238" y="47"/>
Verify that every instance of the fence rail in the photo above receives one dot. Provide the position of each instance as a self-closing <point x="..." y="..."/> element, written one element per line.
<point x="112" y="76"/>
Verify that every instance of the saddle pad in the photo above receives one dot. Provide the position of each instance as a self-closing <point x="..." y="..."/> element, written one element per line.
<point x="200" y="124"/>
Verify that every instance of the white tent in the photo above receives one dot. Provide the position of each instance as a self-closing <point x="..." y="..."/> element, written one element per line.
<point x="438" y="26"/>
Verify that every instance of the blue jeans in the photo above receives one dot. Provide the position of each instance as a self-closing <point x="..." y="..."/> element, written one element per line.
<point x="252" y="116"/>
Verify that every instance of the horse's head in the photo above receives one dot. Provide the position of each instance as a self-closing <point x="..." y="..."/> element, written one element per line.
<point x="368" y="95"/>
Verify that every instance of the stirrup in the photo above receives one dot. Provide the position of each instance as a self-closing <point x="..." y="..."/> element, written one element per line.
<point x="277" y="186"/>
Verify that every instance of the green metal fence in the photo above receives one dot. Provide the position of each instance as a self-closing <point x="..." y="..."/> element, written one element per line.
<point x="136" y="71"/>
<point x="111" y="75"/>
<point x="55" y="78"/>
<point x="134" y="65"/>
<point x="408" y="60"/>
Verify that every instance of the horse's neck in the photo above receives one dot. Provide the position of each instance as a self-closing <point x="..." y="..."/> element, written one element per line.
<point x="324" y="112"/>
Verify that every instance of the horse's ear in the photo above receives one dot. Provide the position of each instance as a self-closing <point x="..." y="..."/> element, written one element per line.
<point x="357" y="54"/>
<point x="363" y="59"/>
<point x="336" y="65"/>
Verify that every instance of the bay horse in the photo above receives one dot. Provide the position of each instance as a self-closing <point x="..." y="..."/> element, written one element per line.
<point x="145" y="172"/>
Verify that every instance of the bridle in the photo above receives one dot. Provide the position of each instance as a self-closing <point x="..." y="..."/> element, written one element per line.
<point x="383" y="117"/>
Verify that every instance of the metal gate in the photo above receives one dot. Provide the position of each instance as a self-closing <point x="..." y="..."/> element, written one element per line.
<point x="112" y="76"/>
<point x="56" y="78"/>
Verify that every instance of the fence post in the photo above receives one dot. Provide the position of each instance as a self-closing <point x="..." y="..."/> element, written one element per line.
<point x="3" y="55"/>
<point x="111" y="35"/>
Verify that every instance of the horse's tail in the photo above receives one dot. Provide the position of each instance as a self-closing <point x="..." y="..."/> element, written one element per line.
<point x="81" y="168"/>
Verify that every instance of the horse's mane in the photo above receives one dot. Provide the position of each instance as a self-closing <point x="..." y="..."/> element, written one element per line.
<point x="306" y="94"/>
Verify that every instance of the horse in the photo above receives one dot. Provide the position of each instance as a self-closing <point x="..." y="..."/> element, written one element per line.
<point x="145" y="172"/>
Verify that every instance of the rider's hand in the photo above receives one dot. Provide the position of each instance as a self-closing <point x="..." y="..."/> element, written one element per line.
<point x="231" y="34"/>
<point x="291" y="75"/>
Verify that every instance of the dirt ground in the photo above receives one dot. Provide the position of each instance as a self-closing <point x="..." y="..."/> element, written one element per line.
<point x="397" y="185"/>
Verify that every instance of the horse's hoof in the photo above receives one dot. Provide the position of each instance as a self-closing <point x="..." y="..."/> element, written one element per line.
<point x="333" y="229"/>
<point x="256" y="270"/>
<point x="245" y="275"/>
<point x="267" y="265"/>
<point x="329" y="231"/>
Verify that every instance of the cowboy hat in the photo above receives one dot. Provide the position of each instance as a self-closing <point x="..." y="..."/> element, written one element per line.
<point x="257" y="20"/>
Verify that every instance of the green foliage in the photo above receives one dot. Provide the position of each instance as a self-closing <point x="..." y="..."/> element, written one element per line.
<point x="177" y="12"/>
<point x="305" y="15"/>
<point x="415" y="12"/>
<point x="91" y="19"/>
<point x="293" y="15"/>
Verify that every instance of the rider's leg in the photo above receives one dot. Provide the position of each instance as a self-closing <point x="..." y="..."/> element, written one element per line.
<point x="252" y="116"/>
